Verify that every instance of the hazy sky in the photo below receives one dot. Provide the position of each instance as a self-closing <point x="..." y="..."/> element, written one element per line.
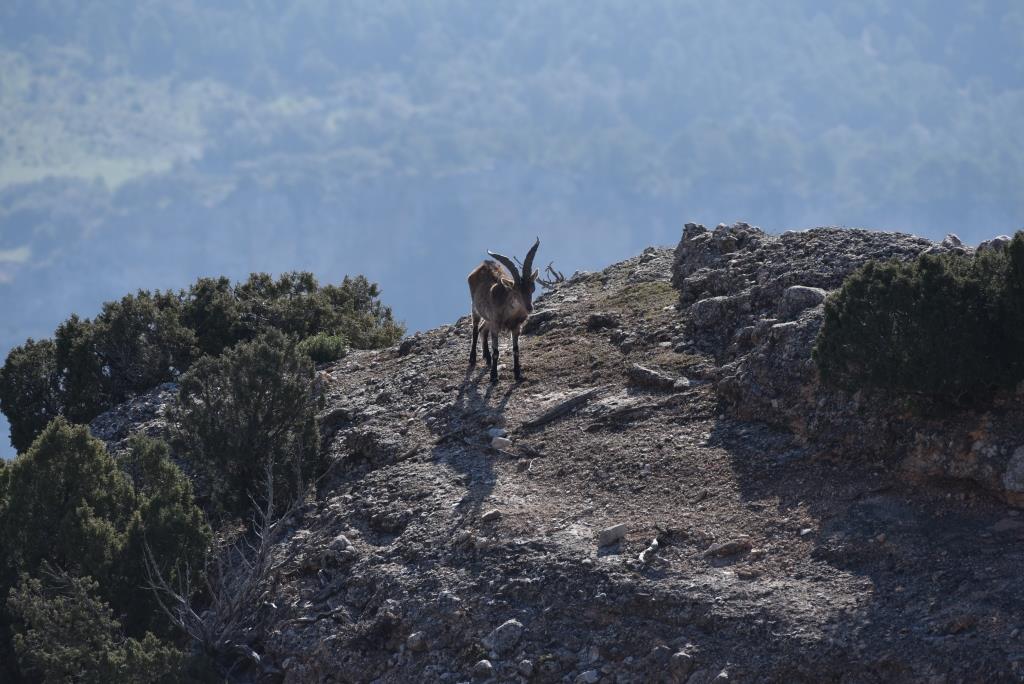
<point x="143" y="144"/>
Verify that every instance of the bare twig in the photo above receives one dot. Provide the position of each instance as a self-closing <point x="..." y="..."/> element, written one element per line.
<point x="241" y="579"/>
<point x="554" y="277"/>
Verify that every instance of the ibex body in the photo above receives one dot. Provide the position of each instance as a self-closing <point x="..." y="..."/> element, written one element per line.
<point x="503" y="301"/>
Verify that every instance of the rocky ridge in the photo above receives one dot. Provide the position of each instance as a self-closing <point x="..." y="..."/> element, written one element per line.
<point x="660" y="500"/>
<point x="756" y="302"/>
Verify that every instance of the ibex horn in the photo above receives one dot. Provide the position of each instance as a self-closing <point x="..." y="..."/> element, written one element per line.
<point x="509" y="264"/>
<point x="528" y="261"/>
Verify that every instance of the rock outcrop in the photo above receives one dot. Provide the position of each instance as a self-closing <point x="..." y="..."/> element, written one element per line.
<point x="755" y="301"/>
<point x="145" y="414"/>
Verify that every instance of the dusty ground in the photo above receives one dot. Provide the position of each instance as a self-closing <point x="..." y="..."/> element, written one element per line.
<point x="834" y="569"/>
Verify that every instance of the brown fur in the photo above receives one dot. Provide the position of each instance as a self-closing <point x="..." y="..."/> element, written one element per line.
<point x="499" y="305"/>
<point x="496" y="300"/>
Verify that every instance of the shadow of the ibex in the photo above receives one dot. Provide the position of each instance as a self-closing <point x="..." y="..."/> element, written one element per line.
<point x="462" y="439"/>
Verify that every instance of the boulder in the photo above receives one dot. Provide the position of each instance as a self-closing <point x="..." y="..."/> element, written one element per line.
<point x="612" y="534"/>
<point x="996" y="244"/>
<point x="504" y="637"/>
<point x="799" y="298"/>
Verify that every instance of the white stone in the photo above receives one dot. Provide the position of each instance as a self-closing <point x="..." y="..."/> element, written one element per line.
<point x="340" y="543"/>
<point x="416" y="642"/>
<point x="483" y="669"/>
<point x="681" y="663"/>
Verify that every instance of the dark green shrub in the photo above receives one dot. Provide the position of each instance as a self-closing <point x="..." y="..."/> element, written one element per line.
<point x="324" y="348"/>
<point x="1013" y="306"/>
<point x="247" y="410"/>
<point x="214" y="314"/>
<point x="134" y="344"/>
<point x="167" y="528"/>
<point x="4" y="484"/>
<point x="297" y="305"/>
<point x="141" y="342"/>
<point x="29" y="390"/>
<point x="66" y="633"/>
<point x="145" y="339"/>
<point x="289" y="304"/>
<point x="294" y="303"/>
<point x="359" y="315"/>
<point x="68" y="503"/>
<point x="8" y="671"/>
<point x="79" y="371"/>
<point x="942" y="326"/>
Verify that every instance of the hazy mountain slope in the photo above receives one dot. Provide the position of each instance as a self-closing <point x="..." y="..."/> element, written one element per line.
<point x="144" y="144"/>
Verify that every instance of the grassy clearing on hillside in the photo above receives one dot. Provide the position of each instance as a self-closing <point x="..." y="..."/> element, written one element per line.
<point x="645" y="299"/>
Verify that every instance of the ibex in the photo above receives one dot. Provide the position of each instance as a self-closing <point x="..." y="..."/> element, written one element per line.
<point x="503" y="303"/>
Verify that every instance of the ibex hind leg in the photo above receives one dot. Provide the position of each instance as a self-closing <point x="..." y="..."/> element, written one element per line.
<point x="476" y="332"/>
<point x="494" y="357"/>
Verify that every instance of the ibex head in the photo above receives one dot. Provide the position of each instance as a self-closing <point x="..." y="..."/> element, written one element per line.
<point x="526" y="281"/>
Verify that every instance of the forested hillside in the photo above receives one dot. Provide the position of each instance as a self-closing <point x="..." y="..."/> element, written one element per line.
<point x="144" y="144"/>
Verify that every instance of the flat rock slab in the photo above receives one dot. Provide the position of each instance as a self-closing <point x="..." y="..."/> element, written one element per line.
<point x="648" y="377"/>
<point x="612" y="534"/>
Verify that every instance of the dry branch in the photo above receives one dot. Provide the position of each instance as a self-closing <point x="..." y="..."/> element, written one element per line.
<point x="554" y="277"/>
<point x="241" y="579"/>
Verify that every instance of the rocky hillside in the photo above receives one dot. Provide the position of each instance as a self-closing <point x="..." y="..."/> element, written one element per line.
<point x="668" y="496"/>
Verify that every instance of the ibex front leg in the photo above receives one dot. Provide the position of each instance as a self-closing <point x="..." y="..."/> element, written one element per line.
<point x="487" y="344"/>
<point x="515" y="356"/>
<point x="494" y="356"/>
